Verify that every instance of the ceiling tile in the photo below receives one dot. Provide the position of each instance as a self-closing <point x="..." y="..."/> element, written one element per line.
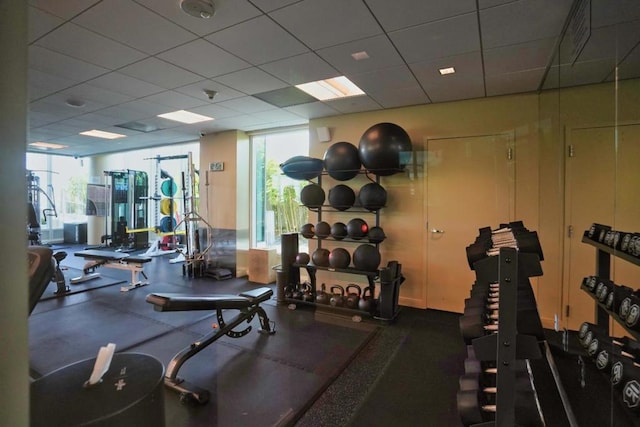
<point x="391" y="87"/>
<point x="247" y="105"/>
<point x="93" y="97"/>
<point x="90" y="47"/>
<point x="66" y="9"/>
<point x="382" y="54"/>
<point x="285" y="97"/>
<point x="630" y="67"/>
<point x="196" y="90"/>
<point x="448" y="37"/>
<point x="123" y="84"/>
<point x="354" y="104"/>
<point x="269" y="5"/>
<point x="606" y="12"/>
<point x="614" y="41"/>
<point x="176" y="100"/>
<point x="204" y="58"/>
<point x="161" y="73"/>
<point x="516" y="82"/>
<point x="251" y="80"/>
<point x="467" y="82"/>
<point x="313" y="110"/>
<point x="42" y="84"/>
<point x="134" y="25"/>
<point x="227" y="13"/>
<point x="393" y="14"/>
<point x="522" y="21"/>
<point x="523" y="56"/>
<point x="41" y="22"/>
<point x="216" y="111"/>
<point x="323" y="23"/>
<point x="60" y="65"/>
<point x="258" y="41"/>
<point x="304" y="68"/>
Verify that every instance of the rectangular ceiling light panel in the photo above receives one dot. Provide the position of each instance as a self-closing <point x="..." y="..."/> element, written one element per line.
<point x="102" y="134"/>
<point x="337" y="87"/>
<point x="183" y="116"/>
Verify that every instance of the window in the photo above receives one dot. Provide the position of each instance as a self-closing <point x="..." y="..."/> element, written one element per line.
<point x="276" y="204"/>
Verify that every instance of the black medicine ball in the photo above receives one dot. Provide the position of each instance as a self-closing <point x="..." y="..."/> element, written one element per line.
<point x="341" y="197"/>
<point x="302" y="258"/>
<point x="320" y="257"/>
<point x="357" y="228"/>
<point x="308" y="231"/>
<point x="312" y="196"/>
<point x="323" y="230"/>
<point x="372" y="196"/>
<point x="376" y="235"/>
<point x="366" y="257"/>
<point x="339" y="258"/>
<point x="339" y="230"/>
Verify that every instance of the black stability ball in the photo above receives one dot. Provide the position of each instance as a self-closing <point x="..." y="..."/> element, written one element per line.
<point x="342" y="161"/>
<point x="376" y="235"/>
<point x="372" y="196"/>
<point x="312" y="196"/>
<point x="339" y="230"/>
<point x="320" y="257"/>
<point x="323" y="230"/>
<point x="339" y="258"/>
<point x="303" y="258"/>
<point x="385" y="149"/>
<point x="308" y="231"/>
<point x="341" y="197"/>
<point x="366" y="257"/>
<point x="357" y="228"/>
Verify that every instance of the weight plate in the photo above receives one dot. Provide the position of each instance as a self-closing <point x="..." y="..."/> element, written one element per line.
<point x="591" y="283"/>
<point x="617" y="373"/>
<point x="609" y="302"/>
<point x="632" y="316"/>
<point x="625" y="242"/>
<point x="625" y="305"/>
<point x="602" y="359"/>
<point x="593" y="347"/>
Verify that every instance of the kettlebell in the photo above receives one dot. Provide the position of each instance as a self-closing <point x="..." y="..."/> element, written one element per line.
<point x="353" y="298"/>
<point x="322" y="297"/>
<point x="288" y="291"/>
<point x="337" y="300"/>
<point x="367" y="301"/>
<point x="297" y="293"/>
<point x="307" y="295"/>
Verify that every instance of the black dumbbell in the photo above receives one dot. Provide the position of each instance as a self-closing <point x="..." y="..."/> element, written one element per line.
<point x="615" y="297"/>
<point x="474" y="408"/>
<point x="475" y="326"/>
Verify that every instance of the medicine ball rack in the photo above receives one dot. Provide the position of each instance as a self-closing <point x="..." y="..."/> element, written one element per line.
<point x="602" y="238"/>
<point x="385" y="306"/>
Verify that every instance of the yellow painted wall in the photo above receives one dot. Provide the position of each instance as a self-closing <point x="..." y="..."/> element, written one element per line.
<point x="537" y="121"/>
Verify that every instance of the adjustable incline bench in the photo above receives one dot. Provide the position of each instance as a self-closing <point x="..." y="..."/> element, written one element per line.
<point x="248" y="305"/>
<point x="116" y="260"/>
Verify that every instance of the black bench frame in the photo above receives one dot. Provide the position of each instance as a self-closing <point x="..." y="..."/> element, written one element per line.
<point x="248" y="304"/>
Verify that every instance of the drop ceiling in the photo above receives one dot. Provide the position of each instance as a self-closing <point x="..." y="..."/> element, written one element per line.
<point x="127" y="61"/>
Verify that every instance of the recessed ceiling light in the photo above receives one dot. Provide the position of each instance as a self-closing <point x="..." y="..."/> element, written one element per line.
<point x="359" y="56"/>
<point x="102" y="134"/>
<point x="198" y="8"/>
<point x="183" y="116"/>
<point x="47" y="145"/>
<point x="337" y="87"/>
<point x="444" y="71"/>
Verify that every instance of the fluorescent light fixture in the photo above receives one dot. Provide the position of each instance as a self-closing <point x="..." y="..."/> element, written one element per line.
<point x="359" y="56"/>
<point x="102" y="134"/>
<point x="183" y="116"/>
<point x="444" y="71"/>
<point x="47" y="145"/>
<point x="337" y="87"/>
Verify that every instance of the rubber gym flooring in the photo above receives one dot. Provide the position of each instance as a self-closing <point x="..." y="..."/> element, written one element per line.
<point x="317" y="370"/>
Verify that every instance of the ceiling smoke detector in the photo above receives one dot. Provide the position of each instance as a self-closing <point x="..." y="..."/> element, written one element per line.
<point x="199" y="8"/>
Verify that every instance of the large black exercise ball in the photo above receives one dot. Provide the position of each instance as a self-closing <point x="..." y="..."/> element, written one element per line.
<point x="339" y="258"/>
<point x="320" y="257"/>
<point x="312" y="196"/>
<point x="339" y="230"/>
<point x="308" y="231"/>
<point x="357" y="228"/>
<point x="376" y="235"/>
<point x="303" y="258"/>
<point x="372" y="196"/>
<point x="385" y="149"/>
<point x="342" y="161"/>
<point x="341" y="197"/>
<point x="323" y="230"/>
<point x="302" y="167"/>
<point x="366" y="257"/>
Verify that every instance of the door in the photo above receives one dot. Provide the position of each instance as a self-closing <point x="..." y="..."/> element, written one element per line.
<point x="602" y="179"/>
<point x="470" y="185"/>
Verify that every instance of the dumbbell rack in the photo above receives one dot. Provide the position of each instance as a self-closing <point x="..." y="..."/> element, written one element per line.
<point x="603" y="314"/>
<point x="506" y="346"/>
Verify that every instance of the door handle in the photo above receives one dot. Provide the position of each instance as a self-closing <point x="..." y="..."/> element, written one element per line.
<point x="436" y="231"/>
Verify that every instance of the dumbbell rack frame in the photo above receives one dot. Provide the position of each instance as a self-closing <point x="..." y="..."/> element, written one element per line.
<point x="506" y="346"/>
<point x="602" y="314"/>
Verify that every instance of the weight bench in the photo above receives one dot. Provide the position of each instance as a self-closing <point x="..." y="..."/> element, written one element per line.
<point x="116" y="260"/>
<point x="248" y="303"/>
